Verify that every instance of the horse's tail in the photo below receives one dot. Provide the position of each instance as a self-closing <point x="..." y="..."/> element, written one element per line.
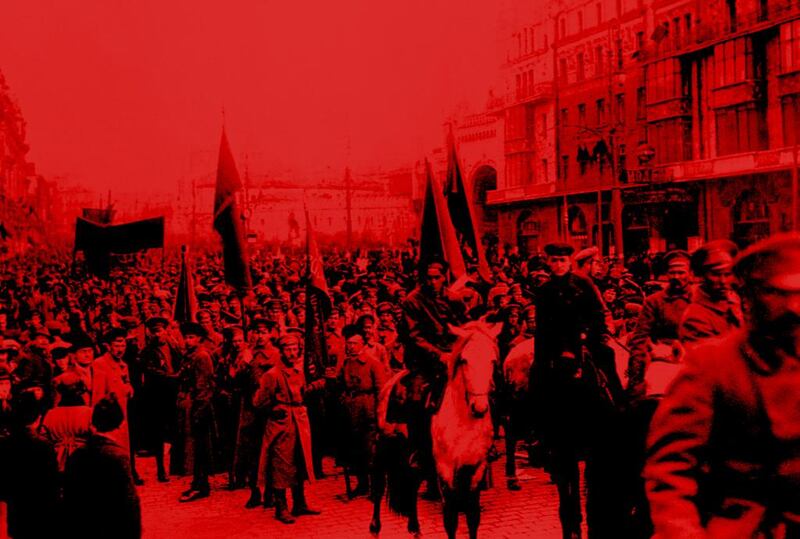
<point x="401" y="482"/>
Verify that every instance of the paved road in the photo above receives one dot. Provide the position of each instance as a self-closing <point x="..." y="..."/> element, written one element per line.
<point x="529" y="513"/>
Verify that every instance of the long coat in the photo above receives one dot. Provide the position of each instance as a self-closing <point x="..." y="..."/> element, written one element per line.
<point x="250" y="430"/>
<point x="285" y="459"/>
<point x="723" y="446"/>
<point x="424" y="328"/>
<point x="111" y="376"/>
<point x="361" y="380"/>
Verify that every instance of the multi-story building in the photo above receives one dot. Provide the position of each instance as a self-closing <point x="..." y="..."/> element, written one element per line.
<point x="653" y="124"/>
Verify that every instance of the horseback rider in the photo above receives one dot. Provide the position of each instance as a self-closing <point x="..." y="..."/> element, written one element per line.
<point x="427" y="312"/>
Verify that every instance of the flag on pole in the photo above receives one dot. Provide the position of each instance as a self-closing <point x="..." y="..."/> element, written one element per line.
<point x="318" y="307"/>
<point x="228" y="221"/>
<point x="459" y="203"/>
<point x="185" y="299"/>
<point x="437" y="235"/>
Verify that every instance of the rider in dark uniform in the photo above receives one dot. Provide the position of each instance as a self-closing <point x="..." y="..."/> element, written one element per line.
<point x="570" y="389"/>
<point x="427" y="311"/>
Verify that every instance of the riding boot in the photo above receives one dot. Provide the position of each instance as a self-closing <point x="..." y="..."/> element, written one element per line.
<point x="299" y="505"/>
<point x="255" y="499"/>
<point x="281" y="507"/>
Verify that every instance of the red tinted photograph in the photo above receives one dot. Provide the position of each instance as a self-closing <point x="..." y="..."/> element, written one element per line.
<point x="434" y="268"/>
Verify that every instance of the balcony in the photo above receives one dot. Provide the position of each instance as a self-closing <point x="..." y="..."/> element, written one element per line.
<point x="520" y="193"/>
<point x="538" y="92"/>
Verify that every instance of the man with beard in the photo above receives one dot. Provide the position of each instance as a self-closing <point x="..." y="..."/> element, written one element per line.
<point x="574" y="394"/>
<point x="286" y="461"/>
<point x="715" y="308"/>
<point x="724" y="457"/>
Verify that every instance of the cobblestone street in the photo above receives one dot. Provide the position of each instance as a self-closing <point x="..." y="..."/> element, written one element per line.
<point x="531" y="512"/>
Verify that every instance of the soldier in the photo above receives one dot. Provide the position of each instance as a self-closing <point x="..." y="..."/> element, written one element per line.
<point x="659" y="321"/>
<point x="251" y="420"/>
<point x="360" y="380"/>
<point x="388" y="336"/>
<point x="197" y="381"/>
<point x="571" y="392"/>
<point x="286" y="460"/>
<point x="160" y="361"/>
<point x="428" y="312"/>
<point x="715" y="308"/>
<point x="724" y="445"/>
<point x="367" y="324"/>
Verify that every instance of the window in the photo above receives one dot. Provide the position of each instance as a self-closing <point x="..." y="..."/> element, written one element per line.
<point x="543" y="125"/>
<point x="733" y="61"/>
<point x="676" y="32"/>
<point x="564" y="117"/>
<point x="641" y="103"/>
<point x="665" y="80"/>
<point x="639" y="41"/>
<point x="580" y="67"/>
<point x="533" y="40"/>
<point x="562" y="70"/>
<point x="598" y="60"/>
<point x="525" y="48"/>
<point x="620" y="59"/>
<point x="687" y="23"/>
<point x="562" y="28"/>
<point x="790" y="106"/>
<point x="671" y="140"/>
<point x="740" y="129"/>
<point x="545" y="172"/>
<point x="524" y="85"/>
<point x="564" y="166"/>
<point x="580" y="21"/>
<point x="620" y="104"/>
<point x="515" y="123"/>
<point x="519" y="86"/>
<point x="600" y="105"/>
<point x="582" y="115"/>
<point x="599" y="7"/>
<point x="790" y="46"/>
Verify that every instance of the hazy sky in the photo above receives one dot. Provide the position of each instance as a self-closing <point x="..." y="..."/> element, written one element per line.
<point x="122" y="94"/>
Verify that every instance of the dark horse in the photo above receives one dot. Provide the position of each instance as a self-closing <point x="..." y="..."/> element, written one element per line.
<point x="461" y="431"/>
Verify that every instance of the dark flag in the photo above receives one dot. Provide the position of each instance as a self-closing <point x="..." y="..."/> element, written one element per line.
<point x="185" y="299"/>
<point x="459" y="204"/>
<point x="98" y="242"/>
<point x="437" y="235"/>
<point x="228" y="221"/>
<point x="318" y="307"/>
<point x="102" y="216"/>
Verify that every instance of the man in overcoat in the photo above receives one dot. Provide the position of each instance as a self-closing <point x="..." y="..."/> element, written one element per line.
<point x="286" y="460"/>
<point x="724" y="445"/>
<point x="715" y="308"/>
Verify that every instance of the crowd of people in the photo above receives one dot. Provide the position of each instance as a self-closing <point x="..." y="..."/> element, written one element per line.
<point x="96" y="373"/>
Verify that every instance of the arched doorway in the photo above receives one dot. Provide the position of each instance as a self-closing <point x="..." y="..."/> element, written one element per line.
<point x="750" y="218"/>
<point x="484" y="179"/>
<point x="528" y="231"/>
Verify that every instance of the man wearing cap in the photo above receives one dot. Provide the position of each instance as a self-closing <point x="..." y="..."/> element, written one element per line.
<point x="160" y="361"/>
<point x="388" y="336"/>
<point x="197" y="388"/>
<point x="83" y="359"/>
<point x="110" y="375"/>
<point x="659" y="320"/>
<point x="250" y="432"/>
<point x="32" y="371"/>
<point x="360" y="380"/>
<point x="286" y="456"/>
<point x="574" y="392"/>
<point x="724" y="445"/>
<point x="715" y="308"/>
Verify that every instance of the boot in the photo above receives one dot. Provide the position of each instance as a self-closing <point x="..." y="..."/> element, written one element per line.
<point x="300" y="506"/>
<point x="512" y="483"/>
<point x="269" y="498"/>
<point x="281" y="508"/>
<point x="255" y="499"/>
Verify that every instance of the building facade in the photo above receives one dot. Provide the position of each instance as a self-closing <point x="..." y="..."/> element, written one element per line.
<point x="648" y="125"/>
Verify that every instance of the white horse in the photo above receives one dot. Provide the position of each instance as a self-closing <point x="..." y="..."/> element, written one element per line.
<point x="462" y="428"/>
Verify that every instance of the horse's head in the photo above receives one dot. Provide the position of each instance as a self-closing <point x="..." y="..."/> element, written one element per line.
<point x="474" y="358"/>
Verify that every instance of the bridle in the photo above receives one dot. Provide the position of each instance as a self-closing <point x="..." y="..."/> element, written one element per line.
<point x="469" y="393"/>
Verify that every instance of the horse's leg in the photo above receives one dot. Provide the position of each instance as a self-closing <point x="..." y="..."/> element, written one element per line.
<point x="413" y="517"/>
<point x="450" y="512"/>
<point x="378" y="488"/>
<point x="473" y="511"/>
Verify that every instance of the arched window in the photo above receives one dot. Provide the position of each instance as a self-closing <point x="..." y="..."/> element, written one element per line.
<point x="577" y="224"/>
